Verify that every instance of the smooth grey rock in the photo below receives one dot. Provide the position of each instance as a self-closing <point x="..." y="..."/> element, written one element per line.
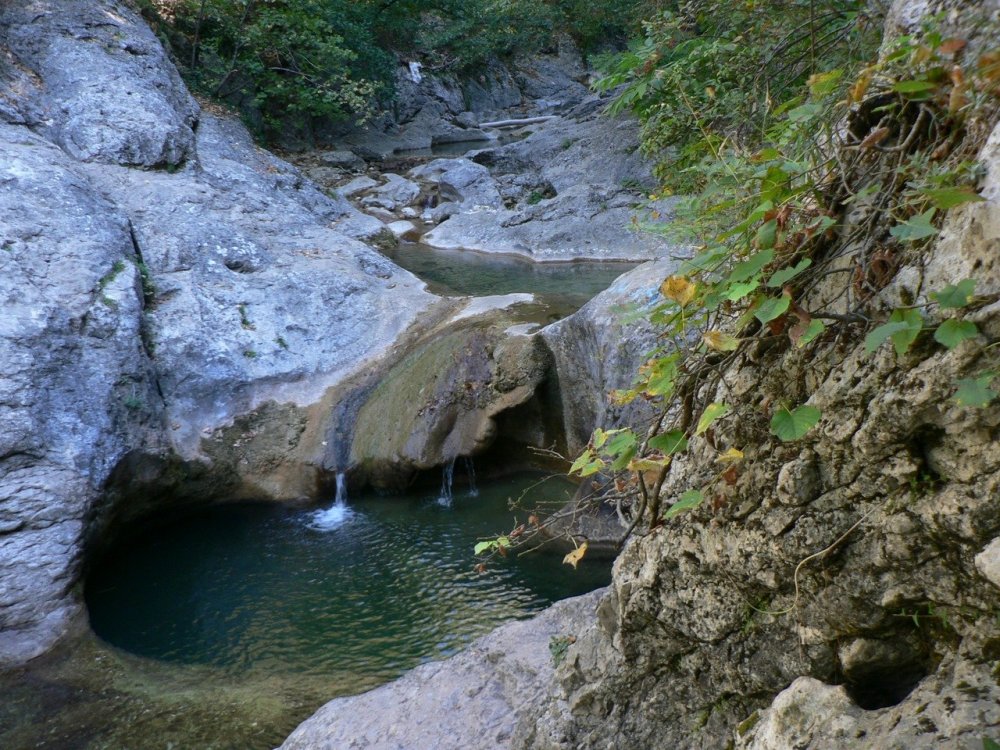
<point x="246" y="254"/>
<point x="109" y="93"/>
<point x="403" y="229"/>
<point x="155" y="320"/>
<point x="395" y="193"/>
<point x="341" y="159"/>
<point x="599" y="348"/>
<point x="469" y="700"/>
<point x="460" y="181"/>
<point x="594" y="171"/>
<point x="445" y="397"/>
<point x="76" y="390"/>
<point x="357" y="185"/>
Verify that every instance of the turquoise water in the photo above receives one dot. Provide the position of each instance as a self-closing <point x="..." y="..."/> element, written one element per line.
<point x="251" y="588"/>
<point x="563" y="288"/>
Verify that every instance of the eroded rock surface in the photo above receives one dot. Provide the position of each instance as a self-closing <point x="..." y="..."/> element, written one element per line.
<point x="573" y="189"/>
<point x="469" y="700"/>
<point x="598" y="349"/>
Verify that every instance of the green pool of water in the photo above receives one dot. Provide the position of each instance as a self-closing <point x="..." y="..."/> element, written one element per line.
<point x="224" y="630"/>
<point x="563" y="288"/>
<point x="389" y="585"/>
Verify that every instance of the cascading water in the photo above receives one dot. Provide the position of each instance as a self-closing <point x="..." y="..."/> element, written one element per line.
<point x="447" y="475"/>
<point x="470" y="470"/>
<point x="334" y="516"/>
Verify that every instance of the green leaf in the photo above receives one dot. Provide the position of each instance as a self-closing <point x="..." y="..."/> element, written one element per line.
<point x="482" y="547"/>
<point x="903" y="340"/>
<point x="780" y="278"/>
<point x="767" y="234"/>
<point x="712" y="412"/>
<point x="917" y="228"/>
<point x="903" y="328"/>
<point x="689" y="500"/>
<point x="794" y="424"/>
<point x="953" y="332"/>
<point x="946" y="198"/>
<point x="750" y="267"/>
<point x="586" y="464"/>
<point x="600" y="438"/>
<point x="989" y="744"/>
<point x="771" y="308"/>
<point x="669" y="442"/>
<point x="805" y="112"/>
<point x="821" y="84"/>
<point x="913" y="87"/>
<point x="736" y="292"/>
<point x="975" y="392"/>
<point x="881" y="334"/>
<point x="621" y="448"/>
<point x="956" y="295"/>
<point x="814" y="329"/>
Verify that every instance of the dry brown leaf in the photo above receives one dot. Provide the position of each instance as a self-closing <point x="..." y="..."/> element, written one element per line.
<point x="679" y="289"/>
<point x="574" y="557"/>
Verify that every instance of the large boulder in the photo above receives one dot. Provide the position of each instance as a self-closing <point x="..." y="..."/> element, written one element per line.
<point x="108" y="93"/>
<point x="76" y="392"/>
<point x="573" y="189"/>
<point x="444" y="398"/>
<point x="599" y="348"/>
<point x="460" y="181"/>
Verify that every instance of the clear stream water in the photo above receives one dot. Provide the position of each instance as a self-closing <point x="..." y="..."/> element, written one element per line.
<point x="225" y="629"/>
<point x="391" y="585"/>
<point x="561" y="288"/>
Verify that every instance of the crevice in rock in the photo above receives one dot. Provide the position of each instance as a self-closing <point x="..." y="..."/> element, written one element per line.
<point x="885" y="685"/>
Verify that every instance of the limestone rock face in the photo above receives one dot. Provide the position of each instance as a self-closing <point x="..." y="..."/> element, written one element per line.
<point x="466" y="701"/>
<point x="76" y="392"/>
<point x="421" y="414"/>
<point x="107" y="91"/>
<point x="171" y="294"/>
<point x="598" y="349"/>
<point x="460" y="181"/>
<point x="840" y="593"/>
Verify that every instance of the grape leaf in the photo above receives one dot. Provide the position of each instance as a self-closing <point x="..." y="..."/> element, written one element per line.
<point x="975" y="392"/>
<point x="792" y="424"/>
<point x="955" y="296"/>
<point x="953" y="332"/>
<point x="712" y="412"/>
<point x="917" y="228"/>
<point x="687" y="501"/>
<point x="950" y="197"/>
<point x="771" y="308"/>
<point x="669" y="442"/>
<point x="780" y="278"/>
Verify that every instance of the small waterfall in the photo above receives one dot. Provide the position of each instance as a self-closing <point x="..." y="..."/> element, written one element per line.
<point x="334" y="516"/>
<point x="470" y="470"/>
<point x="447" y="475"/>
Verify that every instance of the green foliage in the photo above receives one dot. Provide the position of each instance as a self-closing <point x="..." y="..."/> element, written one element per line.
<point x="334" y="59"/>
<point x="708" y="73"/>
<point x="894" y="139"/>
<point x="793" y="424"/>
<point x="687" y="501"/>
